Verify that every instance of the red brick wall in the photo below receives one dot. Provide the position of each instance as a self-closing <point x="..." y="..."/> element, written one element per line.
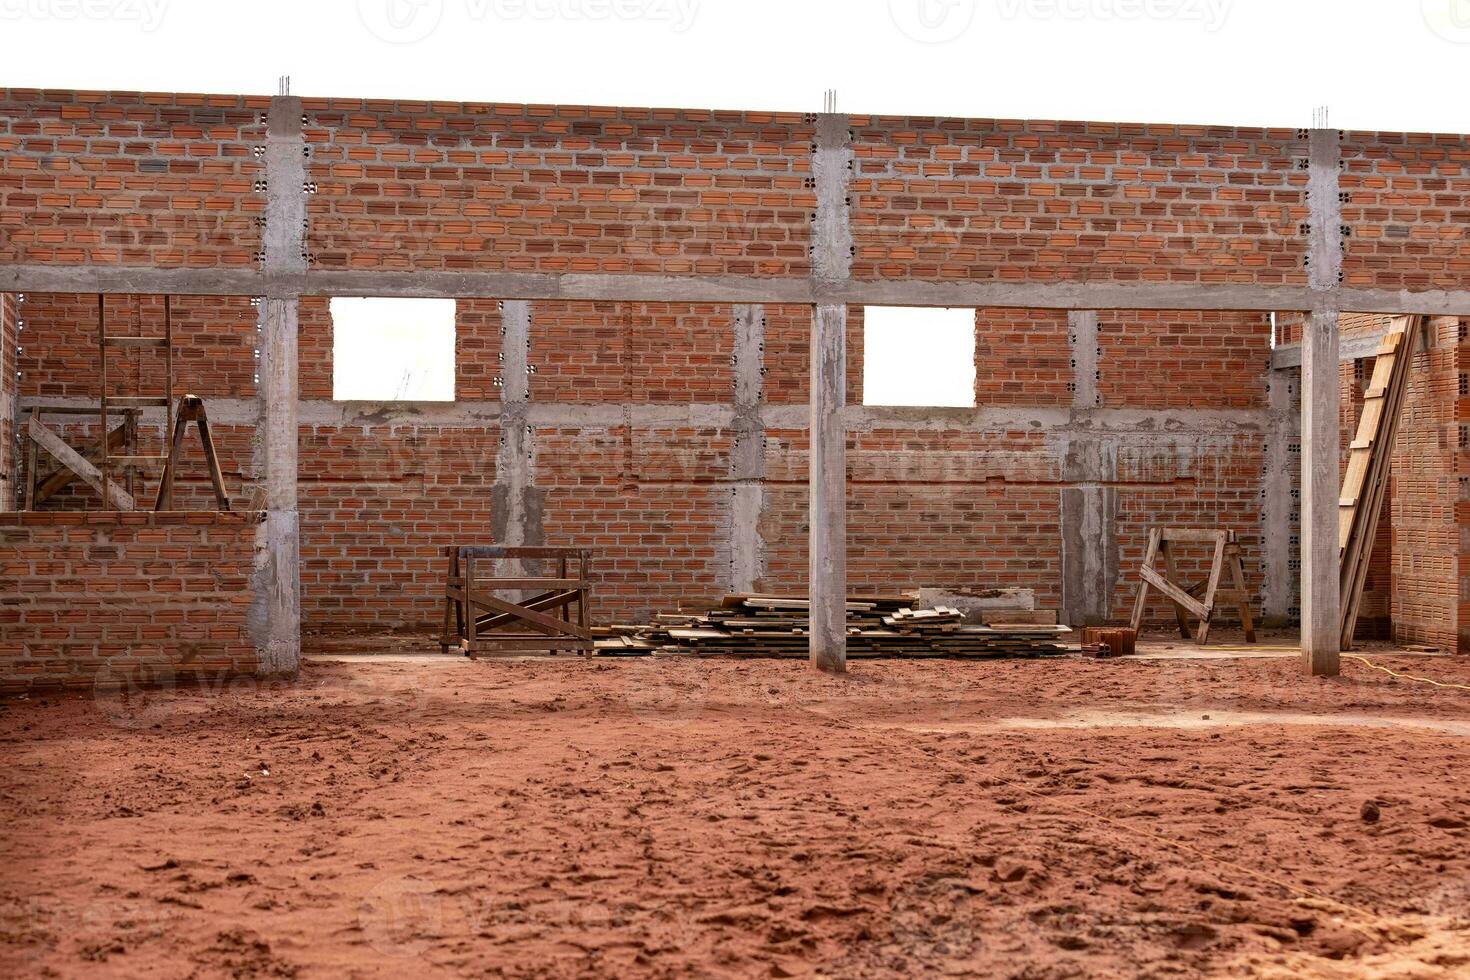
<point x="1042" y="200"/>
<point x="1022" y="357"/>
<point x="215" y="339"/>
<point x="1408" y="209"/>
<point x="1183" y="359"/>
<point x="445" y="185"/>
<point x="377" y="506"/>
<point x="1427" y="545"/>
<point x="128" y="178"/>
<point x="162" y="596"/>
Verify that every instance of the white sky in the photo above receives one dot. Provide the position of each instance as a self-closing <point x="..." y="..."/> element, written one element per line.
<point x="392" y="349"/>
<point x="1389" y="64"/>
<point x="918" y="356"/>
<point x="1378" y="64"/>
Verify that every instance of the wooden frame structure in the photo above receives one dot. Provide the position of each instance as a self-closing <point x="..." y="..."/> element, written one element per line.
<point x="98" y="472"/>
<point x="475" y="616"/>
<point x="1201" y="600"/>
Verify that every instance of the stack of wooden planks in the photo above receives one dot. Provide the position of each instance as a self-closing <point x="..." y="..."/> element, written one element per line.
<point x="877" y="626"/>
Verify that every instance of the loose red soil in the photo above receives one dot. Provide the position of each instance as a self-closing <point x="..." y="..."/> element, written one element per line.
<point x="675" y="818"/>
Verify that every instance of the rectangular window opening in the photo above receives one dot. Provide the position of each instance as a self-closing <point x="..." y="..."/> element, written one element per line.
<point x="920" y="357"/>
<point x="389" y="350"/>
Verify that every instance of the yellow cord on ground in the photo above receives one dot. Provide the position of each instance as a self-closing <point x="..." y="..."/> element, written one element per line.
<point x="1407" y="677"/>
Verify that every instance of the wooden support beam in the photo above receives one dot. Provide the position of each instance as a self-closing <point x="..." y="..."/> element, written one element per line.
<point x="115" y="497"/>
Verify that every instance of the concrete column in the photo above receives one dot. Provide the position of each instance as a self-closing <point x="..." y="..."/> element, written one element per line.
<point x="1086" y="356"/>
<point x="1321" y="627"/>
<point x="10" y="452"/>
<point x="277" y="584"/>
<point x="828" y="507"/>
<point x="832" y="251"/>
<point x="1279" y="584"/>
<point x="747" y="456"/>
<point x="1089" y="503"/>
<point x="516" y="505"/>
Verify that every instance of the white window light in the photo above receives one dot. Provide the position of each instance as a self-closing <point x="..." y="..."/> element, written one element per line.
<point x="918" y="356"/>
<point x="392" y="349"/>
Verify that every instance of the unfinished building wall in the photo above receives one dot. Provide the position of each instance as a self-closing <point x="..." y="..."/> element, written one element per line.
<point x="621" y="424"/>
<point x="108" y="598"/>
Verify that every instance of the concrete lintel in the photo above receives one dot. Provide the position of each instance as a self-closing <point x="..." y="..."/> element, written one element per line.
<point x="1350" y="348"/>
<point x="1143" y="424"/>
<point x="430" y="283"/>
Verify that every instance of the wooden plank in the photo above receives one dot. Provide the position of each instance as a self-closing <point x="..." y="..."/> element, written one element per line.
<point x="1175" y="594"/>
<point x="1140" y="602"/>
<point x="1217" y="566"/>
<point x="530" y="616"/>
<point x="63" y="477"/>
<point x="73" y="460"/>
<point x="211" y="458"/>
<point x="1171" y="575"/>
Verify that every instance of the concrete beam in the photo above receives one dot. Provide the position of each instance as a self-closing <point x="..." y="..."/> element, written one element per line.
<point x="1350" y="348"/>
<point x="1145" y="424"/>
<point x="713" y="289"/>
<point x="747" y="457"/>
<point x="276" y="614"/>
<point x="1321" y="628"/>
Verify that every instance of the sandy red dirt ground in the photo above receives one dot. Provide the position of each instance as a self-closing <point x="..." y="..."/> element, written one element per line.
<point x="676" y="818"/>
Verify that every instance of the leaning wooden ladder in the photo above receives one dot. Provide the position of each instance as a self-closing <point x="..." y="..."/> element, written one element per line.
<point x="1365" y="483"/>
<point x="105" y="343"/>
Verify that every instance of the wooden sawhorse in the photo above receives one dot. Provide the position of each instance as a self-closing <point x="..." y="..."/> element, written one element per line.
<point x="1202" y="600"/>
<point x="474" y="615"/>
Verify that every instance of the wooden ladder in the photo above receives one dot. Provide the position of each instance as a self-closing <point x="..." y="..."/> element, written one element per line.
<point x="1365" y="483"/>
<point x="107" y="342"/>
